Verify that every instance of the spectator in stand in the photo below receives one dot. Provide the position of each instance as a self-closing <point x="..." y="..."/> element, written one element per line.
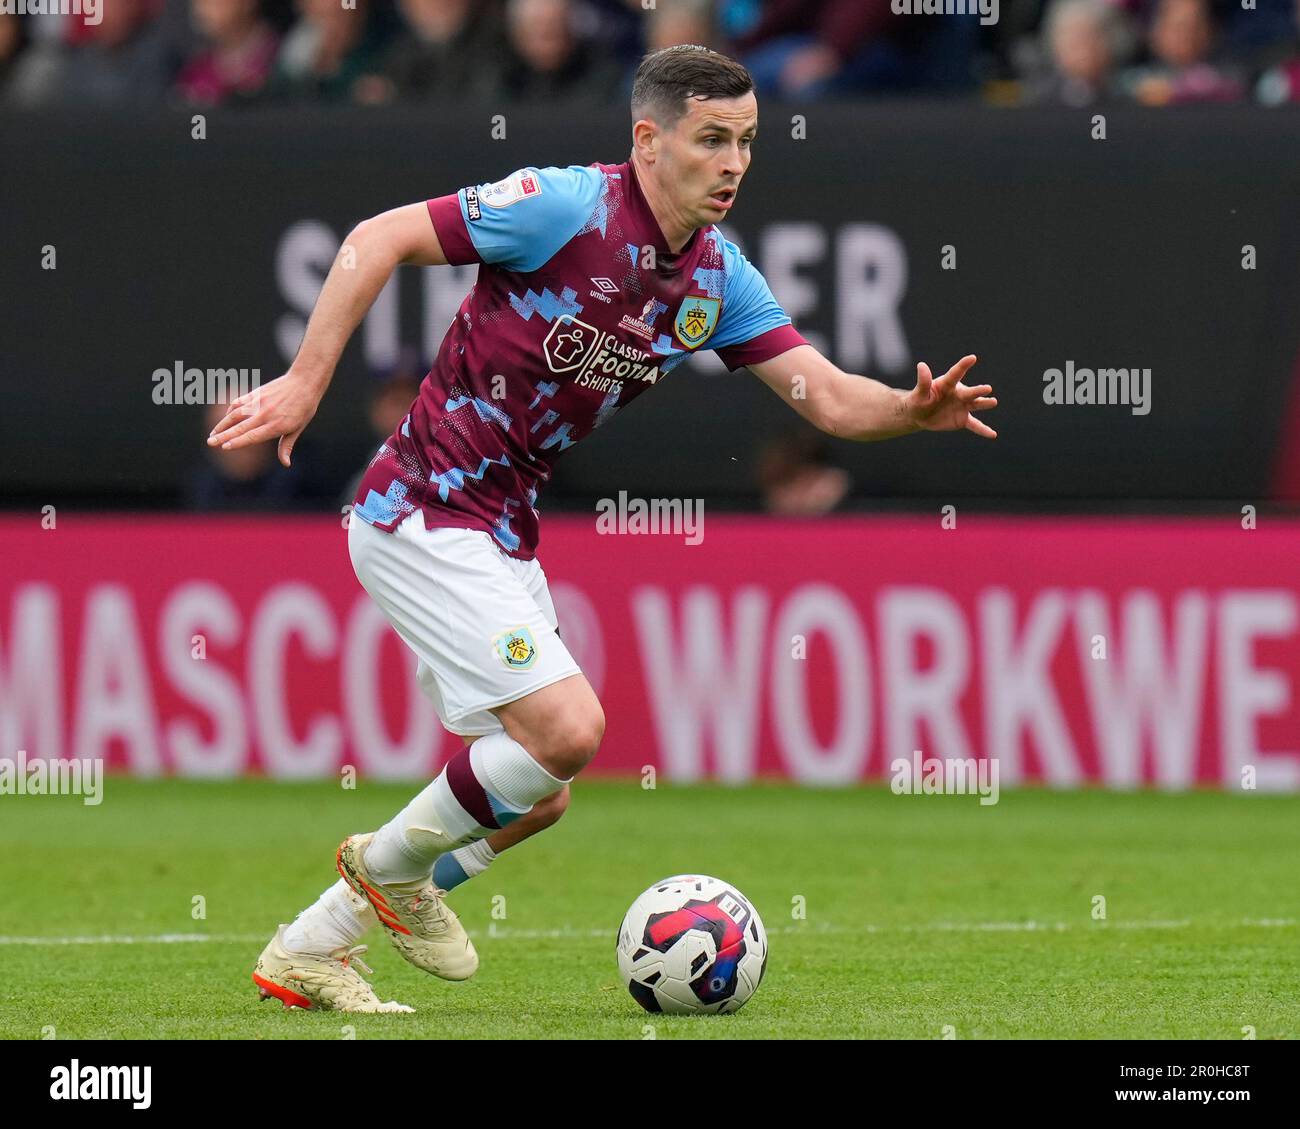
<point x="23" y="64"/>
<point x="618" y="26"/>
<point x="1182" y="44"/>
<point x="808" y="49"/>
<point x="1086" y="41"/>
<point x="329" y="53"/>
<point x="393" y="392"/>
<point x="13" y="38"/>
<point x="124" y="59"/>
<point x="248" y="479"/>
<point x="1281" y="83"/>
<point x="1254" y="33"/>
<point x="545" y="57"/>
<point x="1013" y="51"/>
<point x="802" y="48"/>
<point x="669" y="25"/>
<point x="682" y="21"/>
<point x="447" y="51"/>
<point x="796" y="476"/>
<point x="237" y="55"/>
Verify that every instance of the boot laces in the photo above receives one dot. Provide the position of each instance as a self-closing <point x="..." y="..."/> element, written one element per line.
<point x="347" y="956"/>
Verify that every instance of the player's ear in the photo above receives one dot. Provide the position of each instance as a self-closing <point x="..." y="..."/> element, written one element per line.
<point x="645" y="138"/>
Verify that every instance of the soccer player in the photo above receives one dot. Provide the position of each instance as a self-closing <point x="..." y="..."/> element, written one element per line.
<point x="594" y="283"/>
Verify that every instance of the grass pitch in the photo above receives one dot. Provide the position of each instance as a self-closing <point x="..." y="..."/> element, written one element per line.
<point x="888" y="916"/>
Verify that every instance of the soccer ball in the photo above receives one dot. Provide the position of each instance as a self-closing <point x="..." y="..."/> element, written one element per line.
<point x="692" y="945"/>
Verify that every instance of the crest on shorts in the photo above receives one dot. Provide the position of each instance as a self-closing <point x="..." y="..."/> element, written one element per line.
<point x="516" y="648"/>
<point x="696" y="320"/>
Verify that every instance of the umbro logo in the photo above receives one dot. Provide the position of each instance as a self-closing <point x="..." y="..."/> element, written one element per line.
<point x="606" y="288"/>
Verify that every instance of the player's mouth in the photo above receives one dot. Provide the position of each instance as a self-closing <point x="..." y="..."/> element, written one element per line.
<point x="723" y="198"/>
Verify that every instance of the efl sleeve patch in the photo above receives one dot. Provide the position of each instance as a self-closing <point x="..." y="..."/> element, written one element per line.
<point x="522" y="221"/>
<point x="516" y="187"/>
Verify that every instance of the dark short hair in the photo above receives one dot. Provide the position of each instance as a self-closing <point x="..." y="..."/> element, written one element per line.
<point x="666" y="79"/>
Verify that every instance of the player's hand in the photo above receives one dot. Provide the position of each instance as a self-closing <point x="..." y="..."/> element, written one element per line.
<point x="947" y="404"/>
<point x="280" y="410"/>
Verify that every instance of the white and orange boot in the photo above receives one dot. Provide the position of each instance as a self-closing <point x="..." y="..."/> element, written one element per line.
<point x="308" y="981"/>
<point x="417" y="919"/>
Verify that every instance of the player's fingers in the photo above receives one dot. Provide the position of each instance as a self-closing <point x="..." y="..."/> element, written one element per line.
<point x="245" y="406"/>
<point x="229" y="421"/>
<point x="235" y="430"/>
<point x="286" y="445"/>
<point x="240" y="412"/>
<point x="973" y="391"/>
<point x="249" y="434"/>
<point x="923" y="379"/>
<point x="225" y="431"/>
<point x="954" y="374"/>
<point x="980" y="428"/>
<point x="982" y="404"/>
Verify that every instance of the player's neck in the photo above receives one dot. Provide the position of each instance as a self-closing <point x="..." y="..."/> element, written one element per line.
<point x="675" y="231"/>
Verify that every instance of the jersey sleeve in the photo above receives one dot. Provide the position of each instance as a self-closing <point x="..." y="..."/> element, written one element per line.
<point x="753" y="327"/>
<point x="520" y="222"/>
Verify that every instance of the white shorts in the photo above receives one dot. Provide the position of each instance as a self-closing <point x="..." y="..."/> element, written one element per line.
<point x="481" y="623"/>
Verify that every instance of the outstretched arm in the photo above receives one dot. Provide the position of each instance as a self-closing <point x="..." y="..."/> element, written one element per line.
<point x="283" y="408"/>
<point x="862" y="409"/>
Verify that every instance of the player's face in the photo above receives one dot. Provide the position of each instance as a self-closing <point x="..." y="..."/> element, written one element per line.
<point x="706" y="154"/>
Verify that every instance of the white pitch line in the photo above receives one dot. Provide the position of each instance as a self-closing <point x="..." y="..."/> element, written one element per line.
<point x="496" y="932"/>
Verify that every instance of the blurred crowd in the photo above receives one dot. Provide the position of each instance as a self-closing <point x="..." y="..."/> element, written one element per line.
<point x="375" y="52"/>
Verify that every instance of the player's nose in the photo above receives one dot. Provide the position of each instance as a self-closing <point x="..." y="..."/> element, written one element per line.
<point x="733" y="162"/>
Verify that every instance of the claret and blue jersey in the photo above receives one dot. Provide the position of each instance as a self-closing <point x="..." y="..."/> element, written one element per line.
<point x="572" y="316"/>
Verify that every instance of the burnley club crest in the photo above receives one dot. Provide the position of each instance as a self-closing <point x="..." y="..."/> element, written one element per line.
<point x="697" y="318"/>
